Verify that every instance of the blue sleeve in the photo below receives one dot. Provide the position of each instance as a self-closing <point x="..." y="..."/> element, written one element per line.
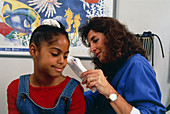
<point x="142" y="90"/>
<point x="90" y="99"/>
<point x="97" y="104"/>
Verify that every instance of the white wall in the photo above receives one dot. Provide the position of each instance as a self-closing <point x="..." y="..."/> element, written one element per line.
<point x="11" y="68"/>
<point x="140" y="16"/>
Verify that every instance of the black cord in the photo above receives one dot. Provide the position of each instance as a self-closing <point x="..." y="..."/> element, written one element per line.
<point x="168" y="108"/>
<point x="160" y="44"/>
<point x="149" y="34"/>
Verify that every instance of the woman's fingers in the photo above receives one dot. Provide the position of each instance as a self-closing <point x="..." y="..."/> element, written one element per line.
<point x="89" y="78"/>
<point x="90" y="85"/>
<point x="92" y="78"/>
<point x="95" y="78"/>
<point x="88" y="72"/>
<point x="84" y="81"/>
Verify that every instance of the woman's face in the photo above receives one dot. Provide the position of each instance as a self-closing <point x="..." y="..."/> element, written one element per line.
<point x="97" y="46"/>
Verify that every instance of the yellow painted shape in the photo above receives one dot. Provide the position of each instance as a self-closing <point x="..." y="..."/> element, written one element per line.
<point x="69" y="21"/>
<point x="76" y="23"/>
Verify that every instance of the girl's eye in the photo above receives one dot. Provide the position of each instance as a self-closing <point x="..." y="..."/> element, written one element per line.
<point x="65" y="57"/>
<point x="54" y="54"/>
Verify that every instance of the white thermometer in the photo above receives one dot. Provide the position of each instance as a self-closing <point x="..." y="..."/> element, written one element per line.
<point x="76" y="65"/>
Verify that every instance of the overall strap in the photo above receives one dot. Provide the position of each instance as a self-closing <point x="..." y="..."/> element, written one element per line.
<point x="70" y="87"/>
<point x="68" y="91"/>
<point x="24" y="84"/>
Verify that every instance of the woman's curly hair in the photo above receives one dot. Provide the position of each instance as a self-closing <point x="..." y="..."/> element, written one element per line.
<point x="120" y="42"/>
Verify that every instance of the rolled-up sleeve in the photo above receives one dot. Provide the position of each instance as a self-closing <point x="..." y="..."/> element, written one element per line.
<point x="142" y="90"/>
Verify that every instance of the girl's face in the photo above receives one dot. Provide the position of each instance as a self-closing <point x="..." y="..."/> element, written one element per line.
<point x="52" y="59"/>
<point x="97" y="46"/>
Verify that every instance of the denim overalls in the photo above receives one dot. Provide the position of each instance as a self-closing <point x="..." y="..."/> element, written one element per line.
<point x="27" y="106"/>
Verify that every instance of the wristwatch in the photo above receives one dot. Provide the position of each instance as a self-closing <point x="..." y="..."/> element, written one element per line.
<point x="112" y="97"/>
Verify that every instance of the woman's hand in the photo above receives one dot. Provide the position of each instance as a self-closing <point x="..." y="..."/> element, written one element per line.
<point x="96" y="78"/>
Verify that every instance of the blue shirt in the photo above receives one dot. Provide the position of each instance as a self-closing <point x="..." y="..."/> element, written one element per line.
<point x="136" y="83"/>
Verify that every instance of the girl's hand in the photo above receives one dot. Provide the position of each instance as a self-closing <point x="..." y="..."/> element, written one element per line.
<point x="96" y="78"/>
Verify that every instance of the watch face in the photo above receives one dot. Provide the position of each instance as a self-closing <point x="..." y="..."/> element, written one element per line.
<point x="113" y="97"/>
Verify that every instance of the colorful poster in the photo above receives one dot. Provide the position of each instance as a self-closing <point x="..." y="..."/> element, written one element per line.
<point x="18" y="19"/>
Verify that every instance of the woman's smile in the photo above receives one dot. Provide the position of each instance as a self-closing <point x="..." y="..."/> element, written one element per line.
<point x="98" y="54"/>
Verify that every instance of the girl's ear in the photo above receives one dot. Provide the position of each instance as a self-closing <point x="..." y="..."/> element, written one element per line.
<point x="33" y="50"/>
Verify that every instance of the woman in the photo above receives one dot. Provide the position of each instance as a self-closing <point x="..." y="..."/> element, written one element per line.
<point x="124" y="79"/>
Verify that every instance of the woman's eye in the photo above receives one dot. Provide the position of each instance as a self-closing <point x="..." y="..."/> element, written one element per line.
<point x="95" y="40"/>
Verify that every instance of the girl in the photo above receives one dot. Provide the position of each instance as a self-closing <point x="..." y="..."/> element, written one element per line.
<point x="47" y="90"/>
